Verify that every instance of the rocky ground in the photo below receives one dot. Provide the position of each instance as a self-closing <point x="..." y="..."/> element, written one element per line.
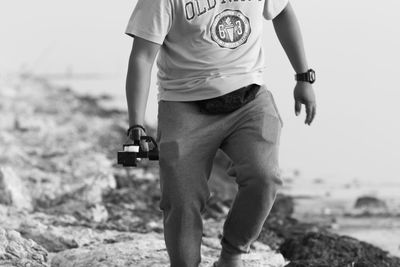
<point x="65" y="202"/>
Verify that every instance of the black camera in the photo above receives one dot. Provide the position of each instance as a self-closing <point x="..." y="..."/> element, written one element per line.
<point x="132" y="152"/>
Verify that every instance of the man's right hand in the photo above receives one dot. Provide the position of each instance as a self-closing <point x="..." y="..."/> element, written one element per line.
<point x="304" y="95"/>
<point x="135" y="135"/>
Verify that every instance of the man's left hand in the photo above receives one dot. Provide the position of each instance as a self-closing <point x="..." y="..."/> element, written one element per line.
<point x="304" y="95"/>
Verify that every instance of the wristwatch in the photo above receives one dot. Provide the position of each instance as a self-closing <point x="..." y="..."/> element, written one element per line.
<point x="308" y="76"/>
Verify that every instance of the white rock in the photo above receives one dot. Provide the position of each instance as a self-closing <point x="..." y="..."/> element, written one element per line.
<point x="99" y="213"/>
<point x="149" y="250"/>
<point x="17" y="251"/>
<point x="11" y="184"/>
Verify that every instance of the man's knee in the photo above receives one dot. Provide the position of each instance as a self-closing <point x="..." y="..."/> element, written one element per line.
<point x="265" y="178"/>
<point x="181" y="201"/>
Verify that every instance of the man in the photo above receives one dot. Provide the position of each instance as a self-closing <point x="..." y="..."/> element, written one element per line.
<point x="212" y="96"/>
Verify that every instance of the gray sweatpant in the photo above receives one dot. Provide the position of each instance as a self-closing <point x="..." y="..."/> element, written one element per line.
<point x="188" y="142"/>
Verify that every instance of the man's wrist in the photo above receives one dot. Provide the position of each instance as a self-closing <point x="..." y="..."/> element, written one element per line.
<point x="302" y="69"/>
<point x="135" y="126"/>
<point x="308" y="76"/>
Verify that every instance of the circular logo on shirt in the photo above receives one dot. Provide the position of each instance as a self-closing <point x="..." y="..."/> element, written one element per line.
<point x="230" y="29"/>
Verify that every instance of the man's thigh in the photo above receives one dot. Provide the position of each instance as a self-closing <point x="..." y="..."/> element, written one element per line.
<point x="188" y="141"/>
<point x="253" y="144"/>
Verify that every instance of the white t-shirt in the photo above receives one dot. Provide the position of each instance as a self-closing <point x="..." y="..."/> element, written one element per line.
<point x="208" y="47"/>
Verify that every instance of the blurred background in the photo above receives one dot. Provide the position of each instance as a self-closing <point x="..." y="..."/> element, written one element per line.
<point x="352" y="148"/>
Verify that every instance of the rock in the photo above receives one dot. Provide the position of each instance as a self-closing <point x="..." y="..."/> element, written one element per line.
<point x="93" y="106"/>
<point x="7" y="122"/>
<point x="312" y="263"/>
<point x="368" y="205"/>
<point x="328" y="249"/>
<point x="149" y="250"/>
<point x="369" y="202"/>
<point x="126" y="177"/>
<point x="27" y="123"/>
<point x="81" y="186"/>
<point x="97" y="171"/>
<point x="283" y="206"/>
<point x="17" y="251"/>
<point x="271" y="238"/>
<point x="46" y="236"/>
<point x="144" y="248"/>
<point x="53" y="148"/>
<point x="278" y="229"/>
<point x="12" y="190"/>
<point x="11" y="217"/>
<point x="99" y="213"/>
<point x="81" y="210"/>
<point x="132" y="208"/>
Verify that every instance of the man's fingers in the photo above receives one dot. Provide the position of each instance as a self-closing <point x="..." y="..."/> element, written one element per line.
<point x="314" y="112"/>
<point x="144" y="145"/>
<point x="136" y="134"/>
<point x="310" y="112"/>
<point x="297" y="107"/>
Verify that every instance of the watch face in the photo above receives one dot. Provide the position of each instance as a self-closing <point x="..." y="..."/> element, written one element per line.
<point x="311" y="76"/>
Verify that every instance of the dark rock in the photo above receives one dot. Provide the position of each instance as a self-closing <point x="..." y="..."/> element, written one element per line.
<point x="271" y="238"/>
<point x="369" y="202"/>
<point x="280" y="225"/>
<point x="277" y="229"/>
<point x="133" y="208"/>
<point x="328" y="249"/>
<point x="283" y="206"/>
<point x="91" y="106"/>
<point x="368" y="205"/>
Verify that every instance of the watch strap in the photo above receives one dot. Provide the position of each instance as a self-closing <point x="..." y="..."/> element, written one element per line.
<point x="308" y="76"/>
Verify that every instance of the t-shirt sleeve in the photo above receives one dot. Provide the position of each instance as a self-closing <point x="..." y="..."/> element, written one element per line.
<point x="150" y="20"/>
<point x="273" y="8"/>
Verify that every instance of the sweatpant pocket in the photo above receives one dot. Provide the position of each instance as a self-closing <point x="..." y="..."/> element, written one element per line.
<point x="275" y="107"/>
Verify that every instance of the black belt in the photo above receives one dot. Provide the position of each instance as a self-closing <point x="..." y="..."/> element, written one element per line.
<point x="229" y="102"/>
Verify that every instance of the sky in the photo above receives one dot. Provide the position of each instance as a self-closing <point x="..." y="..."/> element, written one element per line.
<point x="352" y="45"/>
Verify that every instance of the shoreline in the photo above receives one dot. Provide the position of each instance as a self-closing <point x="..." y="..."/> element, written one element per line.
<point x="373" y="224"/>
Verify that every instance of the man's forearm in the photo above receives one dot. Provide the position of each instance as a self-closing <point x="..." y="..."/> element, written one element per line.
<point x="288" y="31"/>
<point x="137" y="89"/>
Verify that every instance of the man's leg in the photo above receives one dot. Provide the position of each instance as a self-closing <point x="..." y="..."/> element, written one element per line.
<point x="253" y="147"/>
<point x="188" y="143"/>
